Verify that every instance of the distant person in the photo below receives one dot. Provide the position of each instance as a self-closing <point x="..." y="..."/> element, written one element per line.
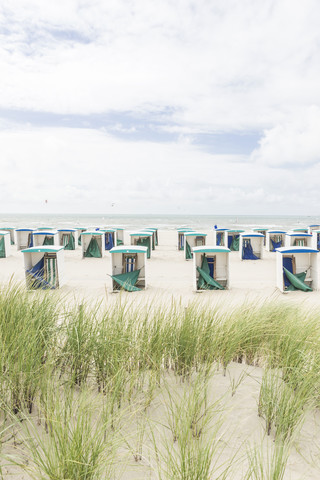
<point x="215" y="227"/>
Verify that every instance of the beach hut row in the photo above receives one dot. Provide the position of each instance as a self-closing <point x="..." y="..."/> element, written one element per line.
<point x="296" y="268"/>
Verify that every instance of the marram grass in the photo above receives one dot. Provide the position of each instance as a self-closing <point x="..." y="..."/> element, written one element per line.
<point x="100" y="374"/>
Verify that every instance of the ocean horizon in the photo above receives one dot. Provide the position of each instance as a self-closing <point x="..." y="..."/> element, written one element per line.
<point x="160" y="221"/>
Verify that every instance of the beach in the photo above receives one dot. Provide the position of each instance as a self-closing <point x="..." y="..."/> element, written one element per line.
<point x="234" y="392"/>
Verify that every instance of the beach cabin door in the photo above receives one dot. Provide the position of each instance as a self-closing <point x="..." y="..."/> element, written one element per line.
<point x="129" y="262"/>
<point x="211" y="264"/>
<point x="51" y="269"/>
<point x="199" y="241"/>
<point x="288" y="262"/>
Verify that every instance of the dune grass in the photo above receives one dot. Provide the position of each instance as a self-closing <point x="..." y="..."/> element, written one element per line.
<point x="101" y="374"/>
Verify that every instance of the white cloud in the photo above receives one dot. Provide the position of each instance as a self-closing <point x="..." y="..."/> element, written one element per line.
<point x="222" y="65"/>
<point x="294" y="143"/>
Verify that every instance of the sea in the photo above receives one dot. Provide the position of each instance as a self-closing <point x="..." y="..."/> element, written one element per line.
<point x="162" y="222"/>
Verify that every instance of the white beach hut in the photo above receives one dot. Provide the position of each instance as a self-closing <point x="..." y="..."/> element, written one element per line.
<point x="251" y="245"/>
<point x="234" y="239"/>
<point x="80" y="230"/>
<point x="44" y="267"/>
<point x="120" y="236"/>
<point x="312" y="228"/>
<point x="298" y="239"/>
<point x="210" y="268"/>
<point x="45" y="237"/>
<point x="128" y="268"/>
<point x="275" y="239"/>
<point x="12" y="230"/>
<point x="110" y="238"/>
<point x="5" y="243"/>
<point x="315" y="241"/>
<point x="193" y="239"/>
<point x="144" y="239"/>
<point x="92" y="244"/>
<point x="24" y="238"/>
<point x="181" y="239"/>
<point x="297" y="269"/>
<point x="68" y="238"/>
<point x="263" y="231"/>
<point x="220" y="237"/>
<point x="154" y="232"/>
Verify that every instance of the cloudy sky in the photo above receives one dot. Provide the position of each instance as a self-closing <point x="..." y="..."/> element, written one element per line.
<point x="160" y="106"/>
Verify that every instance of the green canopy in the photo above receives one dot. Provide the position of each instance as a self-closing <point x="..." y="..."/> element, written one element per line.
<point x="297" y="281"/>
<point x="145" y="242"/>
<point x="51" y="271"/>
<point x="93" y="249"/>
<point x="206" y="282"/>
<point x="188" y="251"/>
<point x="127" y="280"/>
<point x="234" y="247"/>
<point x="2" y="248"/>
<point x="68" y="241"/>
<point x="79" y="239"/>
<point x="48" y="240"/>
<point x="119" y="242"/>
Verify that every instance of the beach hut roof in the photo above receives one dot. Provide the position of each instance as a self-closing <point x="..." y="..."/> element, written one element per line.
<point x="221" y="229"/>
<point x="298" y="234"/>
<point x="296" y="250"/>
<point x="316" y="225"/>
<point x="235" y="231"/>
<point x="108" y="230"/>
<point x="260" y="229"/>
<point x="276" y="231"/>
<point x="251" y="234"/>
<point x="129" y="249"/>
<point x="43" y="249"/>
<point x="210" y="249"/>
<point x="25" y="229"/>
<point x="93" y="233"/>
<point x="298" y="229"/>
<point x="14" y="228"/>
<point x="67" y="229"/>
<point x="141" y="234"/>
<point x="197" y="234"/>
<point x="185" y="229"/>
<point x="44" y="232"/>
<point x="4" y="232"/>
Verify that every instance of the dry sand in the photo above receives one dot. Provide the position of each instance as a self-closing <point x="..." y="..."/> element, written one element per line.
<point x="170" y="276"/>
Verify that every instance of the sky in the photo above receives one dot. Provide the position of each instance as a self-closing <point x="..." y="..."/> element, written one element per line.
<point x="160" y="106"/>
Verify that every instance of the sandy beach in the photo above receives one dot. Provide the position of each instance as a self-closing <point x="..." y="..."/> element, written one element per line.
<point x="169" y="278"/>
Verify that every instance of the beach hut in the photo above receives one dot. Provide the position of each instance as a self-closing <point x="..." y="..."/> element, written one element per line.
<point x="297" y="268"/>
<point x="68" y="238"/>
<point x="5" y="243"/>
<point x="120" y="236"/>
<point x="181" y="232"/>
<point x="80" y="230"/>
<point x="220" y="237"/>
<point x="128" y="268"/>
<point x="45" y="237"/>
<point x="11" y="230"/>
<point x="210" y="268"/>
<point x="24" y="238"/>
<point x="143" y="239"/>
<point x="251" y="245"/>
<point x="315" y="241"/>
<point x="92" y="244"/>
<point x="275" y="239"/>
<point x="154" y="232"/>
<point x="193" y="239"/>
<point x="44" y="266"/>
<point x="298" y="239"/>
<point x="110" y="237"/>
<point x="263" y="231"/>
<point x="234" y="239"/>
<point x="313" y="228"/>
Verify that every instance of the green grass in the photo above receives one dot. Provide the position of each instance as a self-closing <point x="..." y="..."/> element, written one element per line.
<point x="102" y="373"/>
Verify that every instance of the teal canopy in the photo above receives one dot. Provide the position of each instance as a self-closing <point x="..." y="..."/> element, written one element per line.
<point x="68" y="241"/>
<point x="128" y="280"/>
<point x="188" y="251"/>
<point x="145" y="242"/>
<point x="2" y="248"/>
<point x="93" y="249"/>
<point x="48" y="240"/>
<point x="297" y="281"/>
<point x="206" y="282"/>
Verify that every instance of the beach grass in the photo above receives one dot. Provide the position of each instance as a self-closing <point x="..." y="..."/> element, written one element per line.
<point x="139" y="383"/>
